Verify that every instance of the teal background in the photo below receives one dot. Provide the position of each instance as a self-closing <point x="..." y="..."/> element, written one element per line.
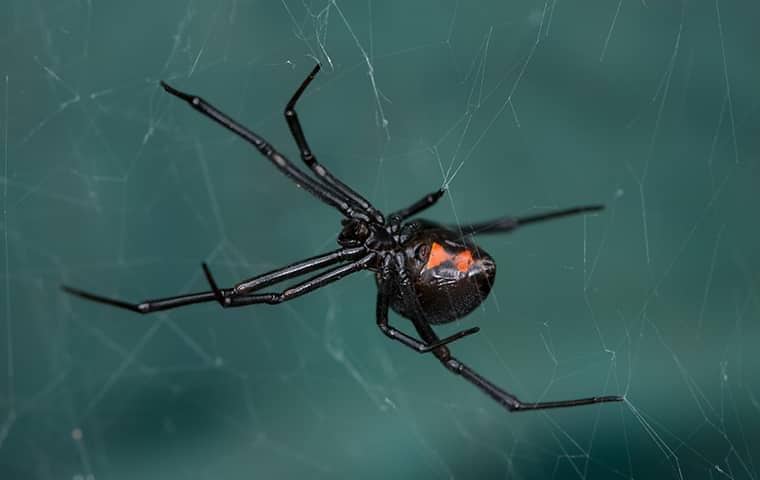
<point x="111" y="185"/>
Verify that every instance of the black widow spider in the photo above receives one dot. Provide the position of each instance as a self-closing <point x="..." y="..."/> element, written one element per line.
<point x="426" y="272"/>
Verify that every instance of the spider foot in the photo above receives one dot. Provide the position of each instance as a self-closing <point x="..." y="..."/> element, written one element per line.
<point x="452" y="338"/>
<point x="175" y="92"/>
<point x="135" y="307"/>
<point x="223" y="301"/>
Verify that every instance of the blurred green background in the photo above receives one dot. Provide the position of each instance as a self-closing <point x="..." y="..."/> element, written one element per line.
<point x="112" y="185"/>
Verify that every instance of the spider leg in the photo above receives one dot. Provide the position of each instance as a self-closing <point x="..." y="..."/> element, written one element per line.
<point x="506" y="224"/>
<point x="311" y="161"/>
<point x="298" y="268"/>
<point x="422" y="204"/>
<point x="506" y="399"/>
<point x="409" y="341"/>
<point x="261" y="281"/>
<point x="218" y="295"/>
<point x="290" y="293"/>
<point x="147" y="306"/>
<point x="383" y="300"/>
<point x="265" y="148"/>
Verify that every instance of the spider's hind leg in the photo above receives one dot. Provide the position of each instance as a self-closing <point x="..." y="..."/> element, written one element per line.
<point x="506" y="399"/>
<point x="147" y="306"/>
<point x="408" y="340"/>
<point x="242" y="291"/>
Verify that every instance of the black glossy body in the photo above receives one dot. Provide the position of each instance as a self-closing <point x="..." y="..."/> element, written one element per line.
<point x="428" y="273"/>
<point x="446" y="290"/>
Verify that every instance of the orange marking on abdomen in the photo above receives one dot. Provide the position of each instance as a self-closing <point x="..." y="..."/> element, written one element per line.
<point x="463" y="261"/>
<point x="438" y="255"/>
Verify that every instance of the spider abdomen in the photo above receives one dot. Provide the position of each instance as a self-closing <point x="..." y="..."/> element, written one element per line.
<point x="451" y="277"/>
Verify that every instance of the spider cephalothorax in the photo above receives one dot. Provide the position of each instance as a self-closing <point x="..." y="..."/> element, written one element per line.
<point x="428" y="273"/>
<point x="374" y="236"/>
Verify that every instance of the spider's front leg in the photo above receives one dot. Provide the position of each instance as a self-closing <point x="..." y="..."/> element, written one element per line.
<point x="241" y="294"/>
<point x="236" y="299"/>
<point x="328" y="179"/>
<point x="422" y="204"/>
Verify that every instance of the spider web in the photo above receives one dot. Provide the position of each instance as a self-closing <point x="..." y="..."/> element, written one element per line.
<point x="516" y="107"/>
